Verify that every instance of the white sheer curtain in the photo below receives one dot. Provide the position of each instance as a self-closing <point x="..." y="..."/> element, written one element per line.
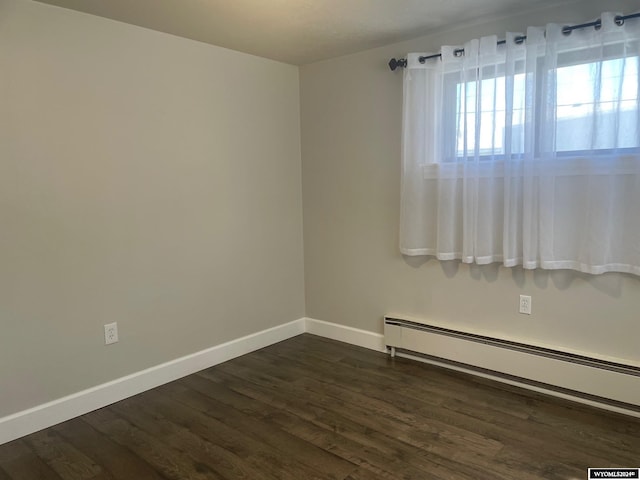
<point x="526" y="153"/>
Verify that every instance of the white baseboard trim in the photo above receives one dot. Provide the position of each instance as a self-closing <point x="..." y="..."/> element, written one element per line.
<point x="42" y="416"/>
<point x="342" y="333"/>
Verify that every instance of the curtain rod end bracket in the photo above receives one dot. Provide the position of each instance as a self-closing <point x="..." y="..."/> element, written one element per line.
<point x="395" y="63"/>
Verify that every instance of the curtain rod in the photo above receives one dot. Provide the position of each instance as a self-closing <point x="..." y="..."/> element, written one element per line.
<point x="402" y="62"/>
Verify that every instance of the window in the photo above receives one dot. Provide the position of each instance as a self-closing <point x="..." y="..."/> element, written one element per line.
<point x="596" y="109"/>
<point x="597" y="106"/>
<point x="487" y="99"/>
<point x="526" y="153"/>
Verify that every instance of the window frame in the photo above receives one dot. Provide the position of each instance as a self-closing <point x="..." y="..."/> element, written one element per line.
<point x="451" y="117"/>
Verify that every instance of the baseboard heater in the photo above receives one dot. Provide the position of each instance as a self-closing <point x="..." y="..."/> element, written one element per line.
<point x="598" y="381"/>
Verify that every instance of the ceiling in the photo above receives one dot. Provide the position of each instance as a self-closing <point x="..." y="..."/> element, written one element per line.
<point x="299" y="31"/>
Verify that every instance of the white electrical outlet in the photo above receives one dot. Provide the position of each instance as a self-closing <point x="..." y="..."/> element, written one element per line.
<point x="525" y="304"/>
<point x="110" y="333"/>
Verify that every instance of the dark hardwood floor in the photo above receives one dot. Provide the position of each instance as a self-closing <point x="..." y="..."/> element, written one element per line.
<point x="312" y="408"/>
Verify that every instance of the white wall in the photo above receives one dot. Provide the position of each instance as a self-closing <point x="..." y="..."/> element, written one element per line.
<point x="351" y="133"/>
<point x="144" y="179"/>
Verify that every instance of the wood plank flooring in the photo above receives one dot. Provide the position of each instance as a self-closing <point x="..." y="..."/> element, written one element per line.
<point x="312" y="408"/>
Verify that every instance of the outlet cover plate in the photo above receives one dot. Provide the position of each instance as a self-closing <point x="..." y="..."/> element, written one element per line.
<point x="110" y="333"/>
<point x="525" y="304"/>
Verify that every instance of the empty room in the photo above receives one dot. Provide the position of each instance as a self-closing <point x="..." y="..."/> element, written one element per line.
<point x="319" y="239"/>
